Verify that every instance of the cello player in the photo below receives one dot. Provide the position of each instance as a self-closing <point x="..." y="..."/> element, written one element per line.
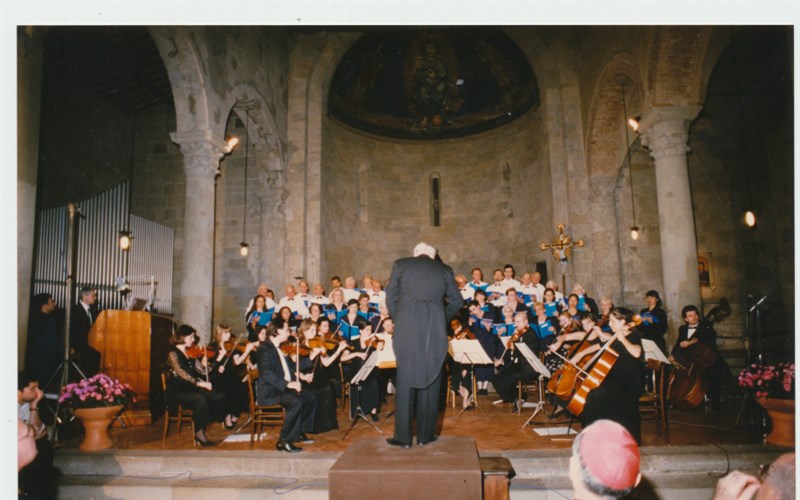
<point x="617" y="397"/>
<point x="696" y="331"/>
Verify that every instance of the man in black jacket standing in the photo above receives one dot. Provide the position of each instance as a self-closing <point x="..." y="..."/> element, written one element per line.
<point x="422" y="298"/>
<point x="84" y="314"/>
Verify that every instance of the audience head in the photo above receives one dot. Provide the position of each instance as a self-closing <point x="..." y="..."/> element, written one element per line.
<point x="87" y="295"/>
<point x="779" y="481"/>
<point x="43" y="303"/>
<point x="604" y="462"/>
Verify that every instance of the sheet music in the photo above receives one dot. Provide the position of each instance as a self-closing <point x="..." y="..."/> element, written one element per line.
<point x="533" y="359"/>
<point x="386" y="357"/>
<point x="651" y="351"/>
<point x="467" y="351"/>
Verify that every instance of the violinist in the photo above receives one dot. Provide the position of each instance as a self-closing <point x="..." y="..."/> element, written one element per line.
<point x="605" y="309"/>
<point x="364" y="345"/>
<point x="515" y="368"/>
<point x="224" y="373"/>
<point x="558" y="349"/>
<point x="279" y="383"/>
<point x="697" y="338"/>
<point x="324" y="354"/>
<point x="377" y="322"/>
<point x="460" y="378"/>
<point x="480" y="324"/>
<point x="617" y="397"/>
<point x="190" y="387"/>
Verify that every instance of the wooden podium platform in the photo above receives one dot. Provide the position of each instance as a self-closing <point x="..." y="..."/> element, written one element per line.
<point x="133" y="348"/>
<point x="371" y="468"/>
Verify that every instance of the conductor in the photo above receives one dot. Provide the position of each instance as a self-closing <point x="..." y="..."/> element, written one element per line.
<point x="422" y="298"/>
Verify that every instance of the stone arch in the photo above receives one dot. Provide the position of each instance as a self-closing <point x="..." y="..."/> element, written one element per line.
<point x="677" y="56"/>
<point x="181" y="59"/>
<point x="313" y="60"/>
<point x="604" y="138"/>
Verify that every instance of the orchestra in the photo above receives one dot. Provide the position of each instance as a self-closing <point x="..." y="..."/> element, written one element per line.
<point x="330" y="336"/>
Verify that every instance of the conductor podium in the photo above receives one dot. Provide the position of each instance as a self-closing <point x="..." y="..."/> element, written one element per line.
<point x="371" y="468"/>
<point x="133" y="348"/>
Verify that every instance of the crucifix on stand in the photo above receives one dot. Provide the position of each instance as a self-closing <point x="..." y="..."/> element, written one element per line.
<point x="561" y="247"/>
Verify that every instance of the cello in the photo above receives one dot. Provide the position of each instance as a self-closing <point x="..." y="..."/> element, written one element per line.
<point x="562" y="381"/>
<point x="601" y="365"/>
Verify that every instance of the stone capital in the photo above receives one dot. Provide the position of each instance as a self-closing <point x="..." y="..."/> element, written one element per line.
<point x="665" y="131"/>
<point x="201" y="152"/>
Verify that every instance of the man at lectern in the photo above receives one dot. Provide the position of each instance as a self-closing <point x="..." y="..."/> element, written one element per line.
<point x="84" y="314"/>
<point x="422" y="297"/>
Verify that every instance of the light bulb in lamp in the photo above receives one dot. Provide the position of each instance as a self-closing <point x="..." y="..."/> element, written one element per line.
<point x="125" y="240"/>
<point x="634" y="233"/>
<point x="244" y="249"/>
<point x="750" y="218"/>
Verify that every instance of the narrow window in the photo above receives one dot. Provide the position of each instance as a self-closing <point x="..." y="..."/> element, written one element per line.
<point x="435" y="200"/>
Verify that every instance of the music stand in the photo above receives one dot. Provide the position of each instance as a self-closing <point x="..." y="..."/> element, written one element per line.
<point x="363" y="373"/>
<point x="543" y="372"/>
<point x="652" y="351"/>
<point x="469" y="352"/>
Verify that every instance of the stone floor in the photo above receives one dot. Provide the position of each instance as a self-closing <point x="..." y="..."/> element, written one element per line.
<point x="493" y="426"/>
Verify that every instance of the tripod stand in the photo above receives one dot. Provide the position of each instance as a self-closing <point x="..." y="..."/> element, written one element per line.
<point x="357" y="379"/>
<point x="63" y="370"/>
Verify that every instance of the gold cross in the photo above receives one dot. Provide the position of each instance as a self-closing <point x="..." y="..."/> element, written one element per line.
<point x="562" y="245"/>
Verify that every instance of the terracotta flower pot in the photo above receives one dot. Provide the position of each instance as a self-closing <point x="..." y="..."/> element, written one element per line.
<point x="96" y="422"/>
<point x="781" y="413"/>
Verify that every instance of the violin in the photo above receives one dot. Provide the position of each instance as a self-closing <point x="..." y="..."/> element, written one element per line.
<point x="290" y="348"/>
<point x="197" y="352"/>
<point x="327" y="344"/>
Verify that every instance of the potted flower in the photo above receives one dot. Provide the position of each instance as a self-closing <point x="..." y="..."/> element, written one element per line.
<point x="96" y="401"/>
<point x="773" y="388"/>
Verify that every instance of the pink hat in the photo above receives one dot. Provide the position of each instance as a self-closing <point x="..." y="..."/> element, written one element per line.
<point x="609" y="453"/>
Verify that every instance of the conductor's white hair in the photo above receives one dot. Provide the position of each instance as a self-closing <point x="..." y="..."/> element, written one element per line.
<point x="423" y="248"/>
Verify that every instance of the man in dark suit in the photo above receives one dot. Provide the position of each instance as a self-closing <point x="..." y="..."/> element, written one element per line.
<point x="695" y="331"/>
<point x="84" y="314"/>
<point x="45" y="349"/>
<point x="278" y="384"/>
<point x="422" y="297"/>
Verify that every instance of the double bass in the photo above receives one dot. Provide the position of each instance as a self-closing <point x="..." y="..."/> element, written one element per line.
<point x="687" y="387"/>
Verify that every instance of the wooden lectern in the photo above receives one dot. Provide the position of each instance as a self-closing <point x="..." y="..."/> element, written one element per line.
<point x="133" y="348"/>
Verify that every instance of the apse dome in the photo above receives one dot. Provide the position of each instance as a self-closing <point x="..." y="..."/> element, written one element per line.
<point x="432" y="84"/>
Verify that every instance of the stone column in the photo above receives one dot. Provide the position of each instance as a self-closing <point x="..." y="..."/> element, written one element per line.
<point x="29" y="99"/>
<point x="665" y="131"/>
<point x="201" y="155"/>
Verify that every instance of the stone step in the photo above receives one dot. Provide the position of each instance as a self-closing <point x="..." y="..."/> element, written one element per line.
<point x="671" y="472"/>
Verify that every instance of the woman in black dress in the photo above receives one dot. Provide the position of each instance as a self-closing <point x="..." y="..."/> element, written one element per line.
<point x="325" y="367"/>
<point x="368" y="396"/>
<point x="654" y="320"/>
<point x="617" y="397"/>
<point x="227" y="372"/>
<point x="189" y="387"/>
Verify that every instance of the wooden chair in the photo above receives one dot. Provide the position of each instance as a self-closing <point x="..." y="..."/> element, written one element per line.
<point x="345" y="386"/>
<point x="653" y="403"/>
<point x="174" y="413"/>
<point x="262" y="415"/>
